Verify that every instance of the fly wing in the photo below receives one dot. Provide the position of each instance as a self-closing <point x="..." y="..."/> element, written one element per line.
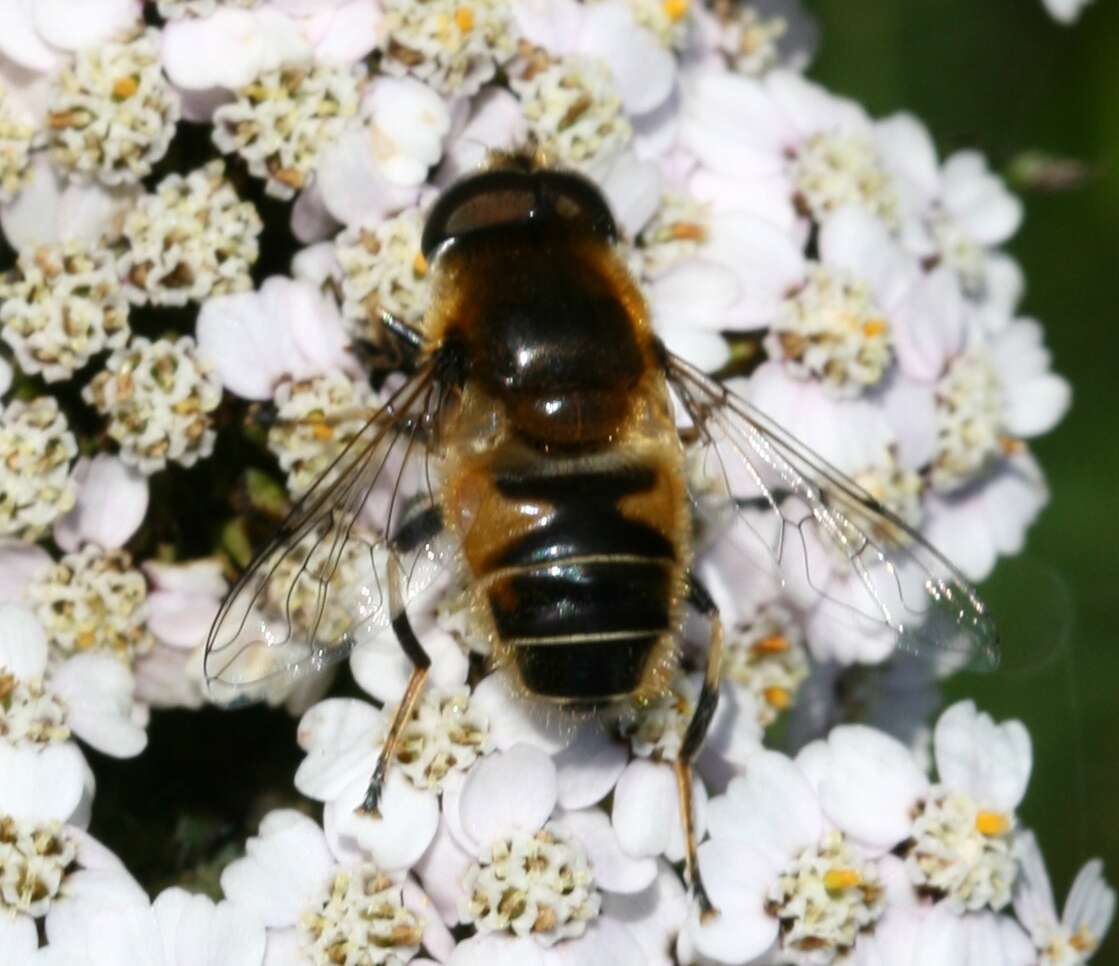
<point x="319" y="589"/>
<point x="796" y="523"/>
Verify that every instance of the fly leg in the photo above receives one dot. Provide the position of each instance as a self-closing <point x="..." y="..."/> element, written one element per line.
<point x="699" y="598"/>
<point x="414" y="651"/>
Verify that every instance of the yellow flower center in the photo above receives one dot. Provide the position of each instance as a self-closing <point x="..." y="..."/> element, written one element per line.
<point x="779" y="698"/>
<point x="464" y="19"/>
<point x="840" y="880"/>
<point x="774" y="644"/>
<point x="124" y="88"/>
<point x="992" y="824"/>
<point x="675" y="10"/>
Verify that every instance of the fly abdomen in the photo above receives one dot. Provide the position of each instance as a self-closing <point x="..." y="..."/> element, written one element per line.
<point x="583" y="596"/>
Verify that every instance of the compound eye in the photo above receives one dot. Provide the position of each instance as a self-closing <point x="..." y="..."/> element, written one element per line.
<point x="496" y="198"/>
<point x="577" y="200"/>
<point x="483" y="201"/>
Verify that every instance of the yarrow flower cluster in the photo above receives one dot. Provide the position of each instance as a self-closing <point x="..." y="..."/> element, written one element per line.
<point x="167" y="398"/>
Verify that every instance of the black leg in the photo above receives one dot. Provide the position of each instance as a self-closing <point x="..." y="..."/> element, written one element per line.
<point x="411" y="646"/>
<point x="708" y="700"/>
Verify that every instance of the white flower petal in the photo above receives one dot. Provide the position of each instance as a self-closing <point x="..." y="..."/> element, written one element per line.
<point x="588" y="768"/>
<point x="498" y="949"/>
<point x="97" y="690"/>
<point x="23" y="642"/>
<point x="1033" y="895"/>
<point x="643" y="70"/>
<point x="52" y="209"/>
<point x="906" y="148"/>
<point x="338" y="735"/>
<point x="508" y="791"/>
<point x="989" y="762"/>
<point x="868" y="784"/>
<point x="653" y="916"/>
<point x="706" y="350"/>
<point x="78" y="24"/>
<point x="352" y="31"/>
<point x="354" y="190"/>
<point x="112" y="502"/>
<point x="772" y="806"/>
<point x="614" y="870"/>
<point x="20" y="41"/>
<point x="230" y="47"/>
<point x="440" y="869"/>
<point x="1091" y="902"/>
<point x="633" y="188"/>
<point x="646" y="813"/>
<point x="199" y="932"/>
<point x="41" y="784"/>
<point x="18" y="940"/>
<point x="283" y="869"/>
<point x="737" y="878"/>
<point x="437" y="938"/>
<point x="397" y="837"/>
<point x="854" y="239"/>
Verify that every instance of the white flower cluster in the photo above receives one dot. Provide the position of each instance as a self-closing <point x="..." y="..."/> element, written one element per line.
<point x="191" y="239"/>
<point x="843" y="278"/>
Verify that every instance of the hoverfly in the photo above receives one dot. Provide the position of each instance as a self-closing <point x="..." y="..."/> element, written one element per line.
<point x="542" y="416"/>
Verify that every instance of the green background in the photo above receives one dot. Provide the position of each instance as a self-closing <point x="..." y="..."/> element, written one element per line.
<point x="1002" y="76"/>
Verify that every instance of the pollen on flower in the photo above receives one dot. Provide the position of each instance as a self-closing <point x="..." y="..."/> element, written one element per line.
<point x="34" y="861"/>
<point x="179" y="9"/>
<point x="833" y="169"/>
<point x="452" y="46"/>
<point x="767" y="658"/>
<point x="656" y="730"/>
<point x="361" y="920"/>
<point x="281" y="121"/>
<point x="93" y="600"/>
<point x="824" y="899"/>
<point x="60" y="306"/>
<point x="676" y="232"/>
<point x="668" y="20"/>
<point x="444" y="734"/>
<point x="158" y="397"/>
<point x="832" y="331"/>
<point x="191" y="239"/>
<point x="16" y="142"/>
<point x="316" y="418"/>
<point x="969" y="412"/>
<point x="29" y="713"/>
<point x="36" y="450"/>
<point x="112" y="114"/>
<point x="532" y="885"/>
<point x="572" y="107"/>
<point x="963" y="852"/>
<point x="748" y="39"/>
<point x="384" y="273"/>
